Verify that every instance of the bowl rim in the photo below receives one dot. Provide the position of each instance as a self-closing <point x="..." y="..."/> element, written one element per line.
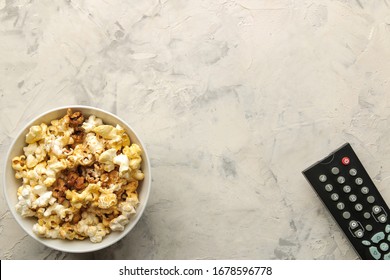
<point x="94" y="246"/>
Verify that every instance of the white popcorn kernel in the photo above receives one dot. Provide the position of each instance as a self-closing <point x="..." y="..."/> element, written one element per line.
<point x="127" y="209"/>
<point x="43" y="200"/>
<point x="106" y="131"/>
<point x="57" y="147"/>
<point x="106" y="200"/>
<point x="23" y="209"/>
<point x="60" y="210"/>
<point x="49" y="181"/>
<point x="91" y="123"/>
<point x="123" y="162"/>
<point x="40" y="153"/>
<point x="39" y="190"/>
<point x="135" y="163"/>
<point x="118" y="224"/>
<point x="40" y="168"/>
<point x="137" y="174"/>
<point x="56" y="165"/>
<point x="36" y="133"/>
<point x="99" y="233"/>
<point x="107" y="156"/>
<point x="30" y="149"/>
<point x="19" y="163"/>
<point x="94" y="145"/>
<point x="45" y="232"/>
<point x="39" y="230"/>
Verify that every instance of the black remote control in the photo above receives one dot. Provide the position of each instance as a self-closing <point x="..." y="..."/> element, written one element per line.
<point x="350" y="195"/>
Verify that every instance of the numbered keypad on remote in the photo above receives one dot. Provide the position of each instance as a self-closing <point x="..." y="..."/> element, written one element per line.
<point x="351" y="197"/>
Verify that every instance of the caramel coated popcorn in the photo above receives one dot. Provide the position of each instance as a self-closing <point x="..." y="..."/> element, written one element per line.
<point x="79" y="178"/>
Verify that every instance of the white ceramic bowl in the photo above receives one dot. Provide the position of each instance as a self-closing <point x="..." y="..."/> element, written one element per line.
<point x="10" y="184"/>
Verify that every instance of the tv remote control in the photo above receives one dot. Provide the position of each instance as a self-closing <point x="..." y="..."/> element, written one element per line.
<point x="343" y="185"/>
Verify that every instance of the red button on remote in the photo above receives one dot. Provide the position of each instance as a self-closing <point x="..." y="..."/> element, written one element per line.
<point x="345" y="160"/>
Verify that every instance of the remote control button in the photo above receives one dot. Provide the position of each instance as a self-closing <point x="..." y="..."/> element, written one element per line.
<point x="378" y="237"/>
<point x="370" y="199"/>
<point x="382" y="218"/>
<point x="376" y="209"/>
<point x="334" y="196"/>
<point x="387" y="228"/>
<point x="346" y="215"/>
<point x="322" y="178"/>
<point x="353" y="172"/>
<point x="335" y="171"/>
<point x="366" y="215"/>
<point x="352" y="198"/>
<point x="358" y="207"/>
<point x="364" y="190"/>
<point x="384" y="246"/>
<point x="369" y="227"/>
<point x="340" y="206"/>
<point x="375" y="253"/>
<point x="359" y="181"/>
<point x="341" y="180"/>
<point x="353" y="224"/>
<point x="359" y="233"/>
<point x="347" y="189"/>
<point x="366" y="242"/>
<point x="386" y="257"/>
<point x="328" y="187"/>
<point x="345" y="160"/>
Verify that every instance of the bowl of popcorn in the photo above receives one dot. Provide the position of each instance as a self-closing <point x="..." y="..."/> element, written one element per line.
<point x="77" y="179"/>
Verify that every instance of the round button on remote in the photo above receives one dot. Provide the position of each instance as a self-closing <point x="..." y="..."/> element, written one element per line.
<point x="335" y="171"/>
<point x="364" y="190"/>
<point x="322" y="178"/>
<point x="384" y="246"/>
<point x="358" y="207"/>
<point x="346" y="215"/>
<point x="345" y="160"/>
<point x="340" y="206"/>
<point x="352" y="172"/>
<point x="352" y="198"/>
<point x="341" y="180"/>
<point x="376" y="209"/>
<point x="359" y="181"/>
<point x="334" y="196"/>
<point x="369" y="227"/>
<point x="382" y="218"/>
<point x="353" y="224"/>
<point x="359" y="233"/>
<point x="347" y="189"/>
<point x="366" y="215"/>
<point x="328" y="187"/>
<point x="371" y="199"/>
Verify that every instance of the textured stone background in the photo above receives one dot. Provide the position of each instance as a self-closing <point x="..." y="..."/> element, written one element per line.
<point x="233" y="100"/>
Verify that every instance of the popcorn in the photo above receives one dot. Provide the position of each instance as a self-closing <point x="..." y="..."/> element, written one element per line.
<point x="79" y="178"/>
<point x="116" y="135"/>
<point x="36" y="133"/>
<point x="107" y="158"/>
<point x="93" y="143"/>
<point x="42" y="200"/>
<point x="19" y="163"/>
<point x="123" y="163"/>
<point x="91" y="123"/>
<point x="107" y="200"/>
<point x="118" y="224"/>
